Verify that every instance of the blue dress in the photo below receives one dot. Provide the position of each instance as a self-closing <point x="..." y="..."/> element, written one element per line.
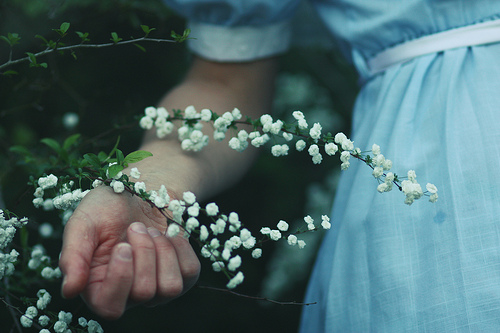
<point x="386" y="266"/>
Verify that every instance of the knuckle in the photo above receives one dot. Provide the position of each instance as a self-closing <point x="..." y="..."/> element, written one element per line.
<point x="173" y="288"/>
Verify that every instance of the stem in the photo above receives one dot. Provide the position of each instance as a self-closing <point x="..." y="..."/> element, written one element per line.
<point x="254" y="297"/>
<point x="80" y="46"/>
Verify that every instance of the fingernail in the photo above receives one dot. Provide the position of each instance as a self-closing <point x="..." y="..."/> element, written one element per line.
<point x="139" y="227"/>
<point x="125" y="251"/>
<point x="153" y="232"/>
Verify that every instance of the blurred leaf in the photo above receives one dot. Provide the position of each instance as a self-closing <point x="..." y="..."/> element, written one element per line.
<point x="52" y="144"/>
<point x="114" y="37"/>
<point x="70" y="141"/>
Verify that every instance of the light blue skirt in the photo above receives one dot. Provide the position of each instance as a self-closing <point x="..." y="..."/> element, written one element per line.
<point x="430" y="267"/>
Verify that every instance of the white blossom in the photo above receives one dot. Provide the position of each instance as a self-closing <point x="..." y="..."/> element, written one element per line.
<point x="298" y="115"/>
<point x="212" y="209"/>
<point x="150" y="111"/>
<point x="118" y="186"/>
<point x="257" y="253"/>
<point x="315" y="131"/>
<point x="189" y="197"/>
<point x="218" y="266"/>
<point x="331" y="148"/>
<point x="235" y="281"/>
<point x="378" y="172"/>
<point x="47" y="182"/>
<point x="292" y="240"/>
<point x="279" y="150"/>
<point x="375" y="149"/>
<point x="43" y="320"/>
<point x="139" y="186"/>
<point x="146" y="123"/>
<point x="301" y="244"/>
<point x="431" y="188"/>
<point x="275" y="235"/>
<point x="234" y="263"/>
<point x="173" y="230"/>
<point x="206" y="115"/>
<point x="325" y="222"/>
<point x="300" y="145"/>
<point x="203" y="233"/>
<point x="134" y="173"/>
<point x="282" y="225"/>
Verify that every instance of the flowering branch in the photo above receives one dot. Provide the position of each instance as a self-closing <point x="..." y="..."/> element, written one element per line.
<point x="53" y="46"/>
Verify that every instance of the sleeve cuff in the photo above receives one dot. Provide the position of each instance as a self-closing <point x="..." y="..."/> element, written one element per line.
<point x="239" y="44"/>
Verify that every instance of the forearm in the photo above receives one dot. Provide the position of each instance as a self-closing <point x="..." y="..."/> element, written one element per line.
<point x="219" y="87"/>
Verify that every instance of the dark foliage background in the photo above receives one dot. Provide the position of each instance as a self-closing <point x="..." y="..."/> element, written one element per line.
<point x="110" y="87"/>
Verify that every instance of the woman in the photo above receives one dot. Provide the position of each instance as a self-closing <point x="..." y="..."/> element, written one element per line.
<point x="384" y="266"/>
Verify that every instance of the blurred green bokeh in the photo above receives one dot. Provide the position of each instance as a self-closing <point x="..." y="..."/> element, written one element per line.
<point x="110" y="87"/>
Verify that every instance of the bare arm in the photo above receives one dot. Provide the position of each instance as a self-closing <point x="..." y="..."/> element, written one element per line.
<point x="115" y="253"/>
<point x="219" y="87"/>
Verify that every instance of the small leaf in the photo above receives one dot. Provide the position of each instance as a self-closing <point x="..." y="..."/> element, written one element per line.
<point x="137" y="156"/>
<point x="83" y="36"/>
<point x="70" y="141"/>
<point x="140" y="47"/>
<point x="43" y="64"/>
<point x="114" y="37"/>
<point x="43" y="39"/>
<point x="93" y="160"/>
<point x="20" y="150"/>
<point x="31" y="57"/>
<point x="146" y="29"/>
<point x="12" y="39"/>
<point x="52" y="144"/>
<point x="64" y="27"/>
<point x="9" y="73"/>
<point x="119" y="156"/>
<point x="114" y="170"/>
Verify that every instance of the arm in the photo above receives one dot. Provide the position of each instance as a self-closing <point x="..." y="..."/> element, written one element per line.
<point x="113" y="261"/>
<point x="219" y="87"/>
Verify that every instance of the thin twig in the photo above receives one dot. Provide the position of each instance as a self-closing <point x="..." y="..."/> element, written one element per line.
<point x="254" y="297"/>
<point x="80" y="46"/>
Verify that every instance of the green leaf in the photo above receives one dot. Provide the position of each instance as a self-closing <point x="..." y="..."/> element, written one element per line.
<point x="70" y="141"/>
<point x="20" y="150"/>
<point x="43" y="39"/>
<point x="114" y="148"/>
<point x="32" y="58"/>
<point x="119" y="156"/>
<point x="52" y="144"/>
<point x="114" y="170"/>
<point x="64" y="27"/>
<point x="43" y="64"/>
<point x="83" y="36"/>
<point x="140" y="47"/>
<point x="93" y="160"/>
<point x="137" y="156"/>
<point x="146" y="29"/>
<point x="180" y="38"/>
<point x="11" y="39"/>
<point x="114" y="37"/>
<point x="9" y="73"/>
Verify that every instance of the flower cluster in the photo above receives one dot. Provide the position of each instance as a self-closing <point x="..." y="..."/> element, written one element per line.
<point x="7" y="231"/>
<point x="265" y="129"/>
<point x="61" y="323"/>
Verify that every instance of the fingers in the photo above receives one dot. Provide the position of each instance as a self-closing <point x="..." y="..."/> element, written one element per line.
<point x="108" y="297"/>
<point x="188" y="261"/>
<point x="144" y="285"/>
<point x="76" y="255"/>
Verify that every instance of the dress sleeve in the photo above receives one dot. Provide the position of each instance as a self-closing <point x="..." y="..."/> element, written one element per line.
<point x="237" y="30"/>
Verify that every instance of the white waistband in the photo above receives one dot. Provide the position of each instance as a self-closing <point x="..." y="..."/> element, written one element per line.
<point x="476" y="34"/>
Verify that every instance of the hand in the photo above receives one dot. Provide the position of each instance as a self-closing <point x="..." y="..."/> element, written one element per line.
<point x="115" y="254"/>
